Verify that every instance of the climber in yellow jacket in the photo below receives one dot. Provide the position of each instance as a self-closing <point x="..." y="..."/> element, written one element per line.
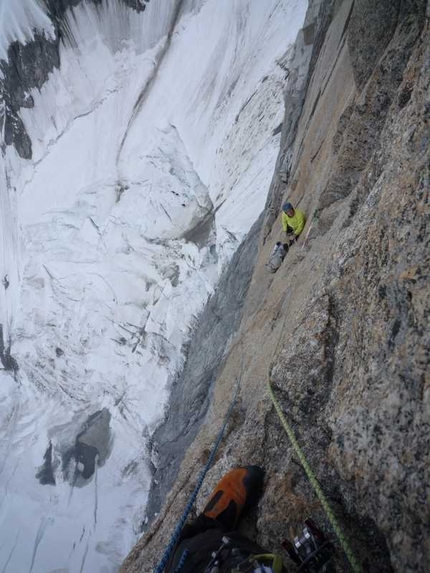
<point x="293" y="222"/>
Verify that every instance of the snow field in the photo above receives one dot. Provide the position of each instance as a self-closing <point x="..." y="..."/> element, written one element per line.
<point x="151" y="160"/>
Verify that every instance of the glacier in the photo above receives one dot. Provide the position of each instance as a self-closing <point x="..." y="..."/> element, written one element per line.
<point x="153" y="146"/>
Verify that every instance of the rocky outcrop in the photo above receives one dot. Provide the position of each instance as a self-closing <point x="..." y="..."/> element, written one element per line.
<point x="342" y="327"/>
<point x="28" y="66"/>
<point x="7" y="361"/>
<point x="78" y="462"/>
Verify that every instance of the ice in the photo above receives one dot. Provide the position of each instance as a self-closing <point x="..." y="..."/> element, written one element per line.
<point x="153" y="150"/>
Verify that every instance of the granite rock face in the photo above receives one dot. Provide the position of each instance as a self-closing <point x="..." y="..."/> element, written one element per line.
<point x="342" y="327"/>
<point x="191" y="392"/>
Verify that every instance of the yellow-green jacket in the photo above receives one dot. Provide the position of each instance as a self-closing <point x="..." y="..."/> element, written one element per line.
<point x="296" y="223"/>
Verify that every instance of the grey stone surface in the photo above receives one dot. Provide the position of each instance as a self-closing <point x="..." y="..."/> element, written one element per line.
<point x="306" y="49"/>
<point x="192" y="390"/>
<point x="91" y="449"/>
<point x="28" y="67"/>
<point x="7" y="360"/>
<point x="343" y="326"/>
<point x="45" y="474"/>
<point x="370" y="30"/>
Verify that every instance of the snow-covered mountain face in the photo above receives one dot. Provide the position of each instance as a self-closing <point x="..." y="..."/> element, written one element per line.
<point x="152" y="149"/>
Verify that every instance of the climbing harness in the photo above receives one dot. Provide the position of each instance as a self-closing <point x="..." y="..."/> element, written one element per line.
<point x="355" y="565"/>
<point x="244" y="563"/>
<point x="260" y="564"/>
<point x="311" y="551"/>
<point x="177" y="532"/>
<point x="212" y="566"/>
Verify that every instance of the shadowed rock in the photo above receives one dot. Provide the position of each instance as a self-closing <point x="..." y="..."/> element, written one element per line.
<point x="92" y="447"/>
<point x="45" y="473"/>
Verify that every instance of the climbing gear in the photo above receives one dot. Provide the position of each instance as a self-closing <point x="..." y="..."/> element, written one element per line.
<point x="356" y="567"/>
<point x="238" y="489"/>
<point x="277" y="256"/>
<point x="177" y="532"/>
<point x="287" y="206"/>
<point x="264" y="563"/>
<point x="217" y="556"/>
<point x="311" y="551"/>
<point x="244" y="563"/>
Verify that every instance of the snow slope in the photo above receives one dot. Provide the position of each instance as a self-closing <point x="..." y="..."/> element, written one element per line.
<point x="153" y="150"/>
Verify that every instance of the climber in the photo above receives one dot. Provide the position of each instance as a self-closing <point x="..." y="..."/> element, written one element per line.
<point x="212" y="542"/>
<point x="293" y="222"/>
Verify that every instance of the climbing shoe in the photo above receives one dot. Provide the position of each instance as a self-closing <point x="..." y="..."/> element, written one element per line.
<point x="236" y="491"/>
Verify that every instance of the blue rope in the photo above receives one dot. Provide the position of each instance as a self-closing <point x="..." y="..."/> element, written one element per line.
<point x="176" y="534"/>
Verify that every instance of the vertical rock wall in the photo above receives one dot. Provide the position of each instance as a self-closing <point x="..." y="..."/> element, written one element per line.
<point x="343" y="325"/>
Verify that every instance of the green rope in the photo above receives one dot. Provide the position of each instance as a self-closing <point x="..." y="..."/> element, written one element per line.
<point x="355" y="565"/>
